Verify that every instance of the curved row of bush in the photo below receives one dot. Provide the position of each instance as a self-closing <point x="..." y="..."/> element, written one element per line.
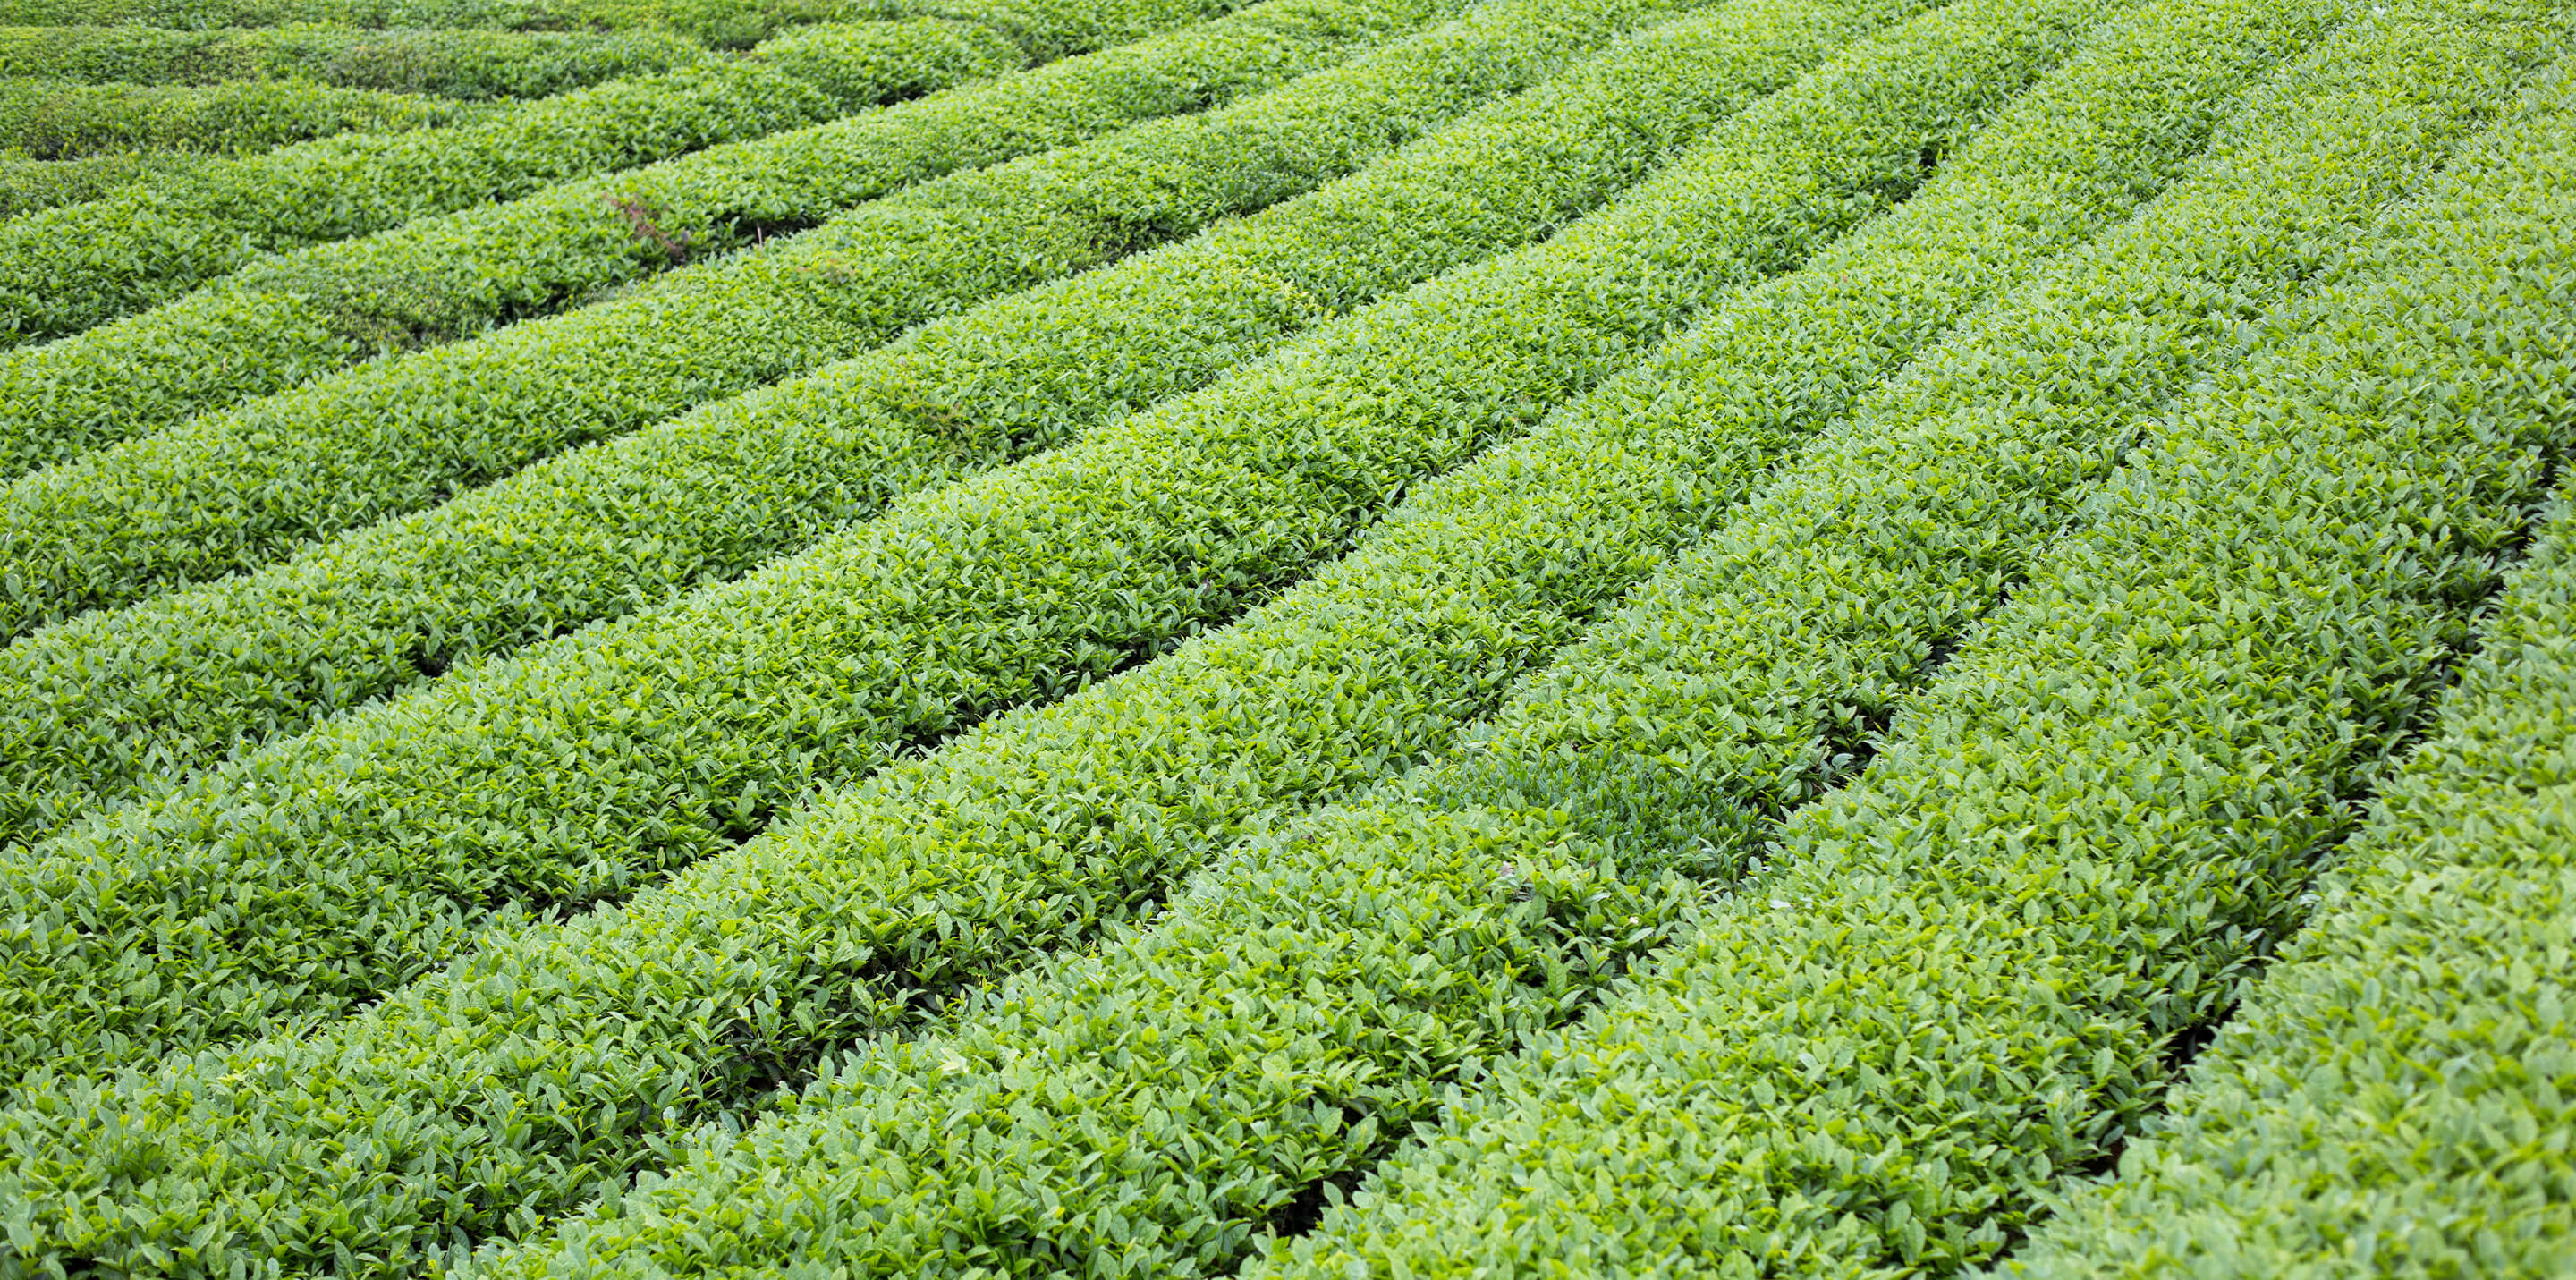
<point x="1675" y="684"/>
<point x="283" y="320"/>
<point x="2387" y="1088"/>
<point x="447" y="64"/>
<point x="1963" y="975"/>
<point x="240" y="490"/>
<point x="92" y="709"/>
<point x="65" y="269"/>
<point x="1148" y="1108"/>
<point x="1047" y="29"/>
<point x="47" y="119"/>
<point x="28" y="185"/>
<point x="69" y="269"/>
<point x="584" y="768"/>
<point x="1045" y="824"/>
<point x="863" y="64"/>
<point x="724" y="23"/>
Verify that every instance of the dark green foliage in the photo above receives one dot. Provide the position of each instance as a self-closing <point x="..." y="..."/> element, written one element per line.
<point x="238" y="490"/>
<point x="284" y="319"/>
<point x="191" y="674"/>
<point x="722" y="23"/>
<point x="65" y="269"/>
<point x="447" y="64"/>
<point x="46" y="119"/>
<point x="1960" y="976"/>
<point x="27" y="185"/>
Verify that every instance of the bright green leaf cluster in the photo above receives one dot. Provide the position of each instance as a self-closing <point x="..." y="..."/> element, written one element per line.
<point x="863" y="64"/>
<point x="2396" y="1094"/>
<point x="1959" y="979"/>
<point x="447" y="64"/>
<point x="1143" y="1110"/>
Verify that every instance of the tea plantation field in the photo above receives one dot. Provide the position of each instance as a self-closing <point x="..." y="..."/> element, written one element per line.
<point x="1288" y="638"/>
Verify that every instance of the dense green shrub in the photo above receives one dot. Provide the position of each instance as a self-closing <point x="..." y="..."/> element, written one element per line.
<point x="725" y="23"/>
<point x="27" y="185"/>
<point x="583" y="768"/>
<point x="192" y="674"/>
<point x="1057" y="820"/>
<point x="65" y="269"/>
<point x="1047" y="29"/>
<point x="1038" y="1157"/>
<point x="47" y="119"/>
<point x="448" y="64"/>
<point x="240" y="490"/>
<point x="1036" y="829"/>
<point x="282" y="320"/>
<point x="2392" y="1097"/>
<point x="1962" y="976"/>
<point x="863" y="64"/>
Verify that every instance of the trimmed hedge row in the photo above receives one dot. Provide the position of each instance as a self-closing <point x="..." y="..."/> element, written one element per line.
<point x="693" y="999"/>
<point x="63" y="270"/>
<point x="60" y="120"/>
<point x="1145" y="1109"/>
<point x="863" y="64"/>
<point x="810" y="1185"/>
<point x="2392" y="1096"/>
<point x="447" y="64"/>
<point x="237" y="491"/>
<point x="583" y="768"/>
<point x="1046" y="29"/>
<point x="724" y="23"/>
<point x="1963" y="975"/>
<point x="96" y="706"/>
<point x="282" y="320"/>
<point x="27" y="185"/>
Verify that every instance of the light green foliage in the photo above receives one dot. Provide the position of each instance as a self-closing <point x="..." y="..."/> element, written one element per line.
<point x="447" y="64"/>
<point x="237" y="490"/>
<point x="2394" y="1097"/>
<point x="1141" y="1110"/>
<point x="48" y="119"/>
<point x="621" y="1028"/>
<point x="1958" y="977"/>
<point x="189" y="675"/>
<point x="284" y="319"/>
<point x="65" y="269"/>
